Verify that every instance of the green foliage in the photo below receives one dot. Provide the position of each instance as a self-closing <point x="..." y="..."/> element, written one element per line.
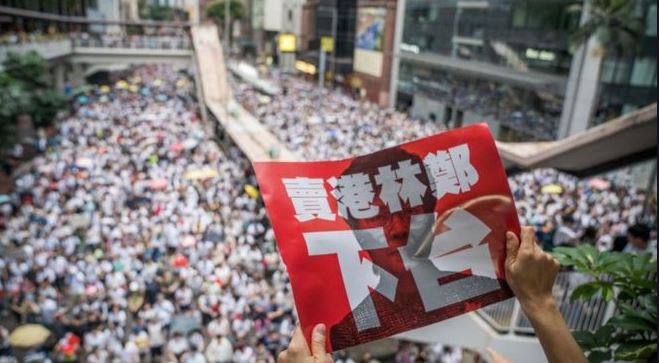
<point x="155" y="12"/>
<point x="25" y="91"/>
<point x="628" y="281"/>
<point x="614" y="25"/>
<point x="215" y="11"/>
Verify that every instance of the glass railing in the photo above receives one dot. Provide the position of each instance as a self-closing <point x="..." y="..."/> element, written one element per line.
<point x="506" y="317"/>
<point x="132" y="41"/>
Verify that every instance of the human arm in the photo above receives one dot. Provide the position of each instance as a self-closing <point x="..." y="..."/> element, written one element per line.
<point x="530" y="273"/>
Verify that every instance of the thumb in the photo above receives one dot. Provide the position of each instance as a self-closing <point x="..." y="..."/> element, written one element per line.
<point x="512" y="247"/>
<point x="318" y="341"/>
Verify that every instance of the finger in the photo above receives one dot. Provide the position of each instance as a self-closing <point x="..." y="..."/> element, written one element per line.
<point x="318" y="341"/>
<point x="328" y="358"/>
<point x="496" y="357"/>
<point x="298" y="343"/>
<point x="512" y="246"/>
<point x="528" y="239"/>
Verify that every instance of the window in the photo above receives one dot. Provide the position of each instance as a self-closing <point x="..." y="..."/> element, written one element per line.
<point x="519" y="15"/>
<point x="616" y="70"/>
<point x="644" y="72"/>
<point x="651" y="21"/>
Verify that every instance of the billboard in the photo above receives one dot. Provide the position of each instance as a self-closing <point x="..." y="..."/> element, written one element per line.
<point x="369" y="40"/>
<point x="287" y="43"/>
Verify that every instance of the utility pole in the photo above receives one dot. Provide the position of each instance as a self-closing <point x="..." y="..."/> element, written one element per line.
<point x="395" y="66"/>
<point x="227" y="23"/>
<point x="321" y="67"/>
<point x="334" y="25"/>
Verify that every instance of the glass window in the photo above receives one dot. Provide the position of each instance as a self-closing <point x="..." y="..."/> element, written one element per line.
<point x="644" y="71"/>
<point x="608" y="70"/>
<point x="651" y="21"/>
<point x="519" y="15"/>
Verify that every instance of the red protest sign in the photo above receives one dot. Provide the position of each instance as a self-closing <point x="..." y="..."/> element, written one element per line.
<point x="383" y="243"/>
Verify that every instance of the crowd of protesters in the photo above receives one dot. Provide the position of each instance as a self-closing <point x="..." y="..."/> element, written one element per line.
<point x="327" y="124"/>
<point x="136" y="238"/>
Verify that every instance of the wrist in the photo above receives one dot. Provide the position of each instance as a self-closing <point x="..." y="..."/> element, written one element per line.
<point x="536" y="307"/>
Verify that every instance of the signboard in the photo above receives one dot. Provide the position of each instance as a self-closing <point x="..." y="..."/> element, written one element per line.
<point x="369" y="40"/>
<point x="380" y="244"/>
<point x="287" y="43"/>
<point x="327" y="44"/>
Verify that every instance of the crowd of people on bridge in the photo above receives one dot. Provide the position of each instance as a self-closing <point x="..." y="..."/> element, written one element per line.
<point x="136" y="238"/>
<point x="320" y="124"/>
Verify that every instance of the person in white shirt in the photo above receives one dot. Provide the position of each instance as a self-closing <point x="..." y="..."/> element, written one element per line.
<point x="177" y="346"/>
<point x="131" y="353"/>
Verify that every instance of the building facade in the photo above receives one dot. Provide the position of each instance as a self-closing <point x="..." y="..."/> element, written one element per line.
<point x="335" y="19"/>
<point x="509" y="63"/>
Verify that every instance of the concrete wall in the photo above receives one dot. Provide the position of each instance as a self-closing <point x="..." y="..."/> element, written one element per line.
<point x="273" y="17"/>
<point x="48" y="50"/>
<point x="423" y="106"/>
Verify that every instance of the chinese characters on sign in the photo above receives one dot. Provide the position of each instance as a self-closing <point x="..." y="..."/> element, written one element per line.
<point x="395" y="240"/>
<point x="451" y="171"/>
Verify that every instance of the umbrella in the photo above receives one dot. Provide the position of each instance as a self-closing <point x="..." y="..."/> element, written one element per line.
<point x="188" y="241"/>
<point x="85" y="163"/>
<point x="105" y="89"/>
<point x="176" y="147"/>
<point x="158" y="184"/>
<point x="599" y="184"/>
<point x="83" y="99"/>
<point x="4" y="198"/>
<point x="121" y="84"/>
<point x="552" y="189"/>
<point x="251" y="191"/>
<point x="180" y="261"/>
<point x="190" y="143"/>
<point x="183" y="324"/>
<point x="29" y="335"/>
<point x="200" y="174"/>
<point x="83" y="89"/>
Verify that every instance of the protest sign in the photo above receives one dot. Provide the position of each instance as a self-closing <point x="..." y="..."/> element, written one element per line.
<point x="384" y="243"/>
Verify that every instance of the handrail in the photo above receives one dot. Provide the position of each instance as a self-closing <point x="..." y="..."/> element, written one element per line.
<point x="83" y="20"/>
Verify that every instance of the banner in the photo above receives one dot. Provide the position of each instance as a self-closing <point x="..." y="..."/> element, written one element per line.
<point x="383" y="243"/>
<point x="369" y="40"/>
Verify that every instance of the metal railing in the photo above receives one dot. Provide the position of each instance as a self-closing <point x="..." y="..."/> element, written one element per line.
<point x="135" y="42"/>
<point x="507" y="316"/>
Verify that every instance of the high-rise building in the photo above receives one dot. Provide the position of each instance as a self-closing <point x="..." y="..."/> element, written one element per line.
<point x="509" y="63"/>
<point x="336" y="19"/>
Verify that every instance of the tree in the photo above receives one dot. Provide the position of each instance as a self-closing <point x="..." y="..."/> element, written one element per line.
<point x="26" y="93"/>
<point x="629" y="282"/>
<point x="215" y="12"/>
<point x="607" y="25"/>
